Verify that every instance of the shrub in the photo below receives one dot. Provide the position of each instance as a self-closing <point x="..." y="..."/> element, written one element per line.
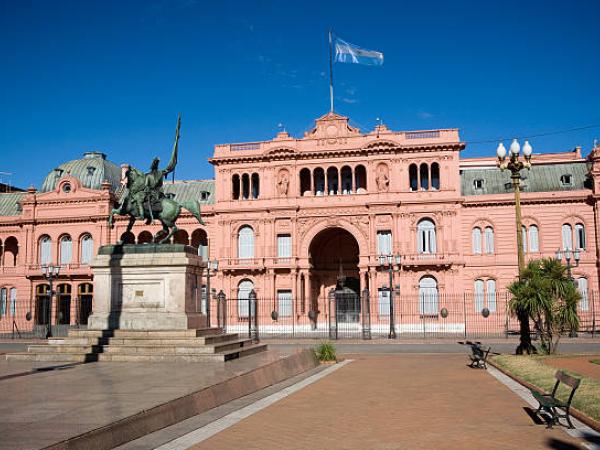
<point x="325" y="351"/>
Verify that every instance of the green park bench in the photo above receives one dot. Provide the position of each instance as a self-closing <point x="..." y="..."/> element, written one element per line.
<point x="552" y="405"/>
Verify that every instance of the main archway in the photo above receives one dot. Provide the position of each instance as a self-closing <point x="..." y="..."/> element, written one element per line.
<point x="333" y="252"/>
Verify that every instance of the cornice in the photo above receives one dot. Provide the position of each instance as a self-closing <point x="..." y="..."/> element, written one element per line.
<point x="373" y="148"/>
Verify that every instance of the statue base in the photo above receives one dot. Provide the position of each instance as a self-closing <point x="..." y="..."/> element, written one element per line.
<point x="147" y="287"/>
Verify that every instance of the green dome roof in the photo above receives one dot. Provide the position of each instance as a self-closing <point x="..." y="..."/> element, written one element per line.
<point x="91" y="170"/>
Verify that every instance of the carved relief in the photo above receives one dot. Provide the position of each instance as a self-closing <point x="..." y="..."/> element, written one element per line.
<point x="383" y="179"/>
<point x="283" y="181"/>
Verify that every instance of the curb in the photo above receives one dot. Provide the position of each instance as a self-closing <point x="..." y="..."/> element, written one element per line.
<point x="179" y="409"/>
<point x="582" y="417"/>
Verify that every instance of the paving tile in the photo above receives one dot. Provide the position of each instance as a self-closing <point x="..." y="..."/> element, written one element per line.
<point x="395" y="402"/>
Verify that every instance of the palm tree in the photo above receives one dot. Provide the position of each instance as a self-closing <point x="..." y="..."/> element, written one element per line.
<point x="549" y="298"/>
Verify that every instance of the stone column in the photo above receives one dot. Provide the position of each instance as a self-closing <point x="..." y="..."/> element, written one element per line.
<point x="339" y="190"/>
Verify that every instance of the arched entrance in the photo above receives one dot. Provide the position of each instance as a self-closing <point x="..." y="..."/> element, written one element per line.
<point x="334" y="252"/>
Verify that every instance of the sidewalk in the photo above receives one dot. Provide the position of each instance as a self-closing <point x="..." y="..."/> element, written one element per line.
<point x="396" y="402"/>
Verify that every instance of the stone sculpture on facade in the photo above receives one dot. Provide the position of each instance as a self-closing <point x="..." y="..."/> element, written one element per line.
<point x="144" y="197"/>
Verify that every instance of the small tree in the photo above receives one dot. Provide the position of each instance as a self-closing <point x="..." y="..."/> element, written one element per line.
<point x="550" y="299"/>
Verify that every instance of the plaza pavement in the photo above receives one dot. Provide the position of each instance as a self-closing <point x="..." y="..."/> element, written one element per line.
<point x="387" y="402"/>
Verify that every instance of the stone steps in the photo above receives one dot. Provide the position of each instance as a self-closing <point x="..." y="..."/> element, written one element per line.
<point x="127" y="345"/>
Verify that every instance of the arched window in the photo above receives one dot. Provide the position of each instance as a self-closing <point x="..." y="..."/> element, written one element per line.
<point x="11" y="250"/>
<point x="87" y="249"/>
<point x="579" y="236"/>
<point x="235" y="187"/>
<point x="490" y="287"/>
<point x="13" y="302"/>
<point x="128" y="238"/>
<point x="181" y="237"/>
<point x="428" y="296"/>
<point x="319" y="177"/>
<point x="66" y="250"/>
<point x="42" y="298"/>
<point x="145" y="237"/>
<point x="3" y="296"/>
<point x="424" y="172"/>
<point x="244" y="289"/>
<point x="479" y="295"/>
<point x="346" y="180"/>
<point x="413" y="178"/>
<point x="200" y="241"/>
<point x="534" y="240"/>
<point x="582" y="287"/>
<point x="246" y="243"/>
<point x="567" y="237"/>
<point x="426" y="236"/>
<point x="476" y="240"/>
<point x="86" y="297"/>
<point x="255" y="185"/>
<point x="332" y="181"/>
<point x="304" y="182"/>
<point x="435" y="176"/>
<point x="45" y="250"/>
<point x="360" y="179"/>
<point x="245" y="186"/>
<point x="489" y="240"/>
<point x="64" y="304"/>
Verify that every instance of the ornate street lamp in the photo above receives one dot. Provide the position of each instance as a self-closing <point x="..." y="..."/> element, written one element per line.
<point x="389" y="260"/>
<point x="50" y="272"/>
<point x="210" y="265"/>
<point x="515" y="165"/>
<point x="568" y="256"/>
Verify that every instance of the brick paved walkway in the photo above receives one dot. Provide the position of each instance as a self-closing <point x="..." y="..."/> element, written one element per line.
<point x="396" y="402"/>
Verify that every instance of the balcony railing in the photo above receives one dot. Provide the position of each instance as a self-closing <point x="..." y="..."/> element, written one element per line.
<point x="429" y="259"/>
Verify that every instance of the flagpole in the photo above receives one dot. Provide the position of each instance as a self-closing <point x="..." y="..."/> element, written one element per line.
<point x="330" y="72"/>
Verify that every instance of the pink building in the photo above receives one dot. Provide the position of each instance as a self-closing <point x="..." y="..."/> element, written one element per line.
<point x="285" y="217"/>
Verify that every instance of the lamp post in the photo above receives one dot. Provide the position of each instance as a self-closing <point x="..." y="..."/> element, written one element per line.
<point x="569" y="255"/>
<point x="210" y="265"/>
<point x="389" y="260"/>
<point x="515" y="165"/>
<point x="50" y="272"/>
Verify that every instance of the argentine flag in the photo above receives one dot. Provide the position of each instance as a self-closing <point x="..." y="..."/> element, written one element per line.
<point x="350" y="53"/>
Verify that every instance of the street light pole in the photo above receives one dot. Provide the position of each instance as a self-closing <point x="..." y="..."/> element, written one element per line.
<point x="50" y="272"/>
<point x="389" y="260"/>
<point x="515" y="165"/>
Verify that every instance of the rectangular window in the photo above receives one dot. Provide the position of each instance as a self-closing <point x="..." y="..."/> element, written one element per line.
<point x="580" y="236"/>
<point x="384" y="242"/>
<point x="2" y="302"/>
<point x="384" y="302"/>
<point x="13" y="302"/>
<point x="491" y="295"/>
<point x="284" y="303"/>
<point x="284" y="246"/>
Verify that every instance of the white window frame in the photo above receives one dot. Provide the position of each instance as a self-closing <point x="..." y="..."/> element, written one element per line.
<point x="384" y="242"/>
<point x="13" y="301"/>
<point x="284" y="245"/>
<point x="428" y="296"/>
<point x="45" y="251"/>
<point x="246" y="242"/>
<point x="87" y="249"/>
<point x="580" y="236"/>
<point x="476" y="240"/>
<point x="489" y="240"/>
<point x="285" y="305"/>
<point x="244" y="288"/>
<point x="567" y="236"/>
<point x="383" y="301"/>
<point x="582" y="287"/>
<point x="534" y="238"/>
<point x="479" y="298"/>
<point x="426" y="237"/>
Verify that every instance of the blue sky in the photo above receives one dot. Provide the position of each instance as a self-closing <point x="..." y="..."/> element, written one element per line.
<point x="112" y="76"/>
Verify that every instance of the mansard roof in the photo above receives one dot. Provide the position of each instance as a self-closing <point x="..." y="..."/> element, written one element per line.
<point x="563" y="176"/>
<point x="9" y="203"/>
<point x="190" y="190"/>
<point x="92" y="170"/>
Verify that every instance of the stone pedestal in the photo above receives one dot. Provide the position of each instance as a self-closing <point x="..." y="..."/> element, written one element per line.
<point x="147" y="287"/>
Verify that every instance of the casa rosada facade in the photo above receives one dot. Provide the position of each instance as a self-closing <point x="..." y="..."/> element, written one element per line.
<point x="287" y="217"/>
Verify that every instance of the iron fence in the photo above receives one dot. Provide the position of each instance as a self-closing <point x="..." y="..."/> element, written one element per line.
<point x="442" y="315"/>
<point x="345" y="316"/>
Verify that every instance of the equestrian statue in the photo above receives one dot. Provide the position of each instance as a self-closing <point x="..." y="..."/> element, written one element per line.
<point x="144" y="198"/>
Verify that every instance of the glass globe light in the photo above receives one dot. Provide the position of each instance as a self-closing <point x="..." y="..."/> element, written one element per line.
<point x="527" y="149"/>
<point x="515" y="148"/>
<point x="501" y="151"/>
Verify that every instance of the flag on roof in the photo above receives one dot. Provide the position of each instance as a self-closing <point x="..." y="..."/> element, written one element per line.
<point x="350" y="53"/>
